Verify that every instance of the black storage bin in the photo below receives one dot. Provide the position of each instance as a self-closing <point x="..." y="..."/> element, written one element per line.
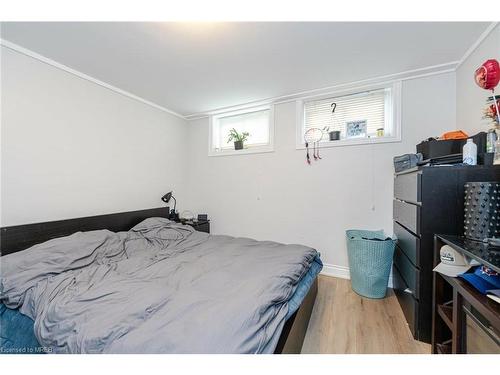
<point x="482" y="210"/>
<point x="435" y="148"/>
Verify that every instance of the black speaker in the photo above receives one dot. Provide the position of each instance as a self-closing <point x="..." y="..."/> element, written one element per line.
<point x="482" y="210"/>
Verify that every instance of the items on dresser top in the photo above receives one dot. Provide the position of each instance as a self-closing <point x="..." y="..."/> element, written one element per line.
<point x="444" y="160"/>
<point x="444" y="151"/>
<point x="406" y="161"/>
<point x="427" y="200"/>
<point x="454" y="134"/>
<point x="433" y="148"/>
<point x="469" y="152"/>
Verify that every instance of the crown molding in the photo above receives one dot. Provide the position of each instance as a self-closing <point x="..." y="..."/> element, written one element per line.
<point x="401" y="76"/>
<point x="24" y="51"/>
<point x="476" y="44"/>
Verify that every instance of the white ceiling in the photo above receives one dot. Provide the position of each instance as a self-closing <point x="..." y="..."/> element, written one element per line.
<point x="196" y="67"/>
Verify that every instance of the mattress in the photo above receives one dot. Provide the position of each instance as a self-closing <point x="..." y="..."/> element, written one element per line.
<point x="17" y="335"/>
<point x="303" y="286"/>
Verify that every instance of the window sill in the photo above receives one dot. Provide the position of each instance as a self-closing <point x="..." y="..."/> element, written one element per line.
<point x="245" y="151"/>
<point x="352" y="142"/>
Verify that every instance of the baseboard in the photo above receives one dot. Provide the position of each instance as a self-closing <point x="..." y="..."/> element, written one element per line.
<point x="335" y="271"/>
<point x="342" y="272"/>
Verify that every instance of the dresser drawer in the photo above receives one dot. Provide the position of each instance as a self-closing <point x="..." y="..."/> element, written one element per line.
<point x="409" y="305"/>
<point x="407" y="187"/>
<point x="408" y="215"/>
<point x="408" y="242"/>
<point x="410" y="274"/>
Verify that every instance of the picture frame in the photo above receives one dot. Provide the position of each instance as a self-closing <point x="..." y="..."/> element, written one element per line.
<point x="355" y="129"/>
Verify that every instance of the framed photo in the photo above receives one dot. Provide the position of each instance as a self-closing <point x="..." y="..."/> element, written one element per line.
<point x="355" y="129"/>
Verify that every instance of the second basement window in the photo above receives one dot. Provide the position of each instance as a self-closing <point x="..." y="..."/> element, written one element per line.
<point x="355" y="117"/>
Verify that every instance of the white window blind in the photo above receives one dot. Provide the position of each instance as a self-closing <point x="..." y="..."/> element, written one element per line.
<point x="372" y="106"/>
<point x="256" y="123"/>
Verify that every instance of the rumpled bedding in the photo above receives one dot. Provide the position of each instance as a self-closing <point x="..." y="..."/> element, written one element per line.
<point x="161" y="287"/>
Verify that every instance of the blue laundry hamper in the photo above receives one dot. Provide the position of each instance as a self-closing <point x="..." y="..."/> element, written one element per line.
<point x="370" y="259"/>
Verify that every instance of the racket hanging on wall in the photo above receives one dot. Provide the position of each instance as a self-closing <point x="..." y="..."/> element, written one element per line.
<point x="312" y="138"/>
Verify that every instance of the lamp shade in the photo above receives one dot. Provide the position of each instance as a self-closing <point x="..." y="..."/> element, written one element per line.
<point x="166" y="198"/>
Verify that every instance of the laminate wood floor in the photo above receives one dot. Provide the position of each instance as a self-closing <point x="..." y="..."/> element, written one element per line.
<point x="344" y="322"/>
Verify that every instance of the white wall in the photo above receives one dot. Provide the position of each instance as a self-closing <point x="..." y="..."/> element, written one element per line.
<point x="71" y="148"/>
<point x="471" y="98"/>
<point x="277" y="196"/>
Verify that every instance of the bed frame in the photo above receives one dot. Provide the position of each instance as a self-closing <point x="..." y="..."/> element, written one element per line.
<point x="20" y="237"/>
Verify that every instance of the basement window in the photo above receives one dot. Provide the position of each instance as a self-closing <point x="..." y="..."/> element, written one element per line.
<point x="258" y="122"/>
<point x="356" y="117"/>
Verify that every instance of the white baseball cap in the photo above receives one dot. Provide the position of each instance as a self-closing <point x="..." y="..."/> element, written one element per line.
<point x="453" y="262"/>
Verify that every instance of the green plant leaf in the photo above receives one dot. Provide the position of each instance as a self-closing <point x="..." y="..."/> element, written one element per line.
<point x="235" y="136"/>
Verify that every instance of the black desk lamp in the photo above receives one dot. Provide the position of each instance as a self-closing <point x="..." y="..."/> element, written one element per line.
<point x="166" y="198"/>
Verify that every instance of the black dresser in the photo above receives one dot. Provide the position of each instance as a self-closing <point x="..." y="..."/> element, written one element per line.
<point x="427" y="201"/>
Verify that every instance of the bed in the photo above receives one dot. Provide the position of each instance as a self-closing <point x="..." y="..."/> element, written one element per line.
<point x="277" y="324"/>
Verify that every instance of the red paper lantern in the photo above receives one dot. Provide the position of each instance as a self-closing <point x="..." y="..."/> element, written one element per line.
<point x="487" y="75"/>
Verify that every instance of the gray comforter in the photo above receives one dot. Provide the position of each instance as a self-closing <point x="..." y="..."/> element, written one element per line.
<point x="159" y="288"/>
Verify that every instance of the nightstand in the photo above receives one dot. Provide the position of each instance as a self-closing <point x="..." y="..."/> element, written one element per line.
<point x="200" y="226"/>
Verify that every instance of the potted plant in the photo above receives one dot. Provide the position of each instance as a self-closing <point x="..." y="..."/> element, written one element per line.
<point x="334" y="134"/>
<point x="238" y="138"/>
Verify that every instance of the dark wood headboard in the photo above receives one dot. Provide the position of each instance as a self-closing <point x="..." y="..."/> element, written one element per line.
<point x="21" y="237"/>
